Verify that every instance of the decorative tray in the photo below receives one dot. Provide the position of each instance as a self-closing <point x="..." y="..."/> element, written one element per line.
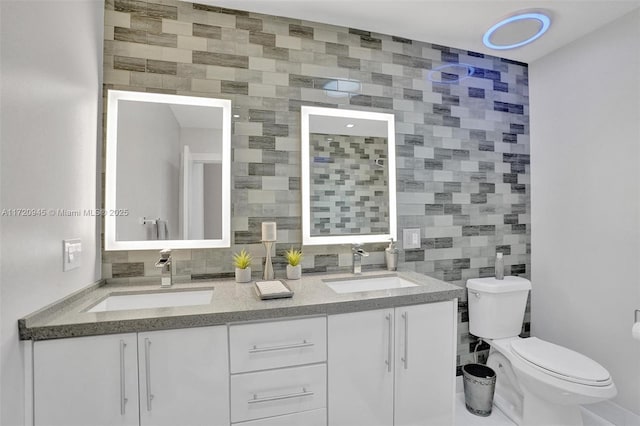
<point x="272" y="289"/>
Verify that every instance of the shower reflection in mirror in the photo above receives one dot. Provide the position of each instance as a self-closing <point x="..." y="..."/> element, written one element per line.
<point x="348" y="176"/>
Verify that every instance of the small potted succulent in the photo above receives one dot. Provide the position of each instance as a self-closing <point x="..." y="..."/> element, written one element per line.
<point x="294" y="268"/>
<point x="242" y="261"/>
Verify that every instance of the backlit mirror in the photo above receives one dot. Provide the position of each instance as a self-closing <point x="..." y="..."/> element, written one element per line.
<point x="168" y="165"/>
<point x="348" y="176"/>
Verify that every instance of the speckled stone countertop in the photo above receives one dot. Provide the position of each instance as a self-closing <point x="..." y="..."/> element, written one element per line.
<point x="231" y="302"/>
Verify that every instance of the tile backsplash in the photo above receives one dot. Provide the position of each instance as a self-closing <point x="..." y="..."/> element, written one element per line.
<point x="462" y="147"/>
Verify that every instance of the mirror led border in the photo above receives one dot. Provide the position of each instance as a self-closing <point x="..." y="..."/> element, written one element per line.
<point x="110" y="242"/>
<point x="307" y="238"/>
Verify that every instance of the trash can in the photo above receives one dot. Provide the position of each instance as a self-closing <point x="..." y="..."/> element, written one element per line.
<point x="479" y="384"/>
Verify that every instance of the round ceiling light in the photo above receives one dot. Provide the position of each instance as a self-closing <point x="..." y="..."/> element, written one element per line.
<point x="516" y="31"/>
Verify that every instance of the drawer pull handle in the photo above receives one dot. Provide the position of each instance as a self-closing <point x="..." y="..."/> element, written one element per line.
<point x="256" y="400"/>
<point x="256" y="349"/>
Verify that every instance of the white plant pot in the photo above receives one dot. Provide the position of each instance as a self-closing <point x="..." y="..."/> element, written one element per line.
<point x="294" y="272"/>
<point x="243" y="275"/>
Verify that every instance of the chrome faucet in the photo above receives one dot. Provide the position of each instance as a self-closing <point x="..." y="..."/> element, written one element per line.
<point x="358" y="254"/>
<point x="165" y="263"/>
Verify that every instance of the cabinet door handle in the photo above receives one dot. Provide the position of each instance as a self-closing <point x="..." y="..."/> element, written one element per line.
<point x="303" y="344"/>
<point x="123" y="394"/>
<point x="405" y="358"/>
<point x="390" y="345"/>
<point x="147" y="367"/>
<point x="256" y="400"/>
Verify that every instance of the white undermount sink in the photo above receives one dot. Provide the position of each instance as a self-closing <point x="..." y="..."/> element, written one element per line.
<point x="121" y="302"/>
<point x="354" y="285"/>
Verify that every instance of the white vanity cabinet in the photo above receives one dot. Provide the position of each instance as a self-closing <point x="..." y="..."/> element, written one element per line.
<point x="86" y="381"/>
<point x="360" y="359"/>
<point x="392" y="367"/>
<point x="385" y="367"/>
<point x="425" y="364"/>
<point x="183" y="378"/>
<point x="279" y="372"/>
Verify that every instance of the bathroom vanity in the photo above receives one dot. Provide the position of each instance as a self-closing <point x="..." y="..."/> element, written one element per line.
<point x="378" y="357"/>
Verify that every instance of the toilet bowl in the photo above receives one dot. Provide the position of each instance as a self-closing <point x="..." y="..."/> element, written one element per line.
<point x="538" y="382"/>
<point x="550" y="381"/>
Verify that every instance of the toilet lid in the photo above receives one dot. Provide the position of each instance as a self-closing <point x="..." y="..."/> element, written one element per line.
<point x="561" y="361"/>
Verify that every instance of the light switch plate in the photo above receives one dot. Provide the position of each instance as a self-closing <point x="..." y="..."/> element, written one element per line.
<point x="71" y="254"/>
<point x="411" y="238"/>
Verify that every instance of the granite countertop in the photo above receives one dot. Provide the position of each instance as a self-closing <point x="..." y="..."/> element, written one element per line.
<point x="231" y="302"/>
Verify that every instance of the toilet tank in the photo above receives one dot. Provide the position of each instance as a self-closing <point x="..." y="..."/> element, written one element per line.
<point x="496" y="307"/>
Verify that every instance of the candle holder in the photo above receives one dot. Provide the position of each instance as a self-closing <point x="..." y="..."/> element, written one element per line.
<point x="268" y="266"/>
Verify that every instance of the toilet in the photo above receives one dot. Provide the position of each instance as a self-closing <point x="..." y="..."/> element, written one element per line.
<point x="538" y="383"/>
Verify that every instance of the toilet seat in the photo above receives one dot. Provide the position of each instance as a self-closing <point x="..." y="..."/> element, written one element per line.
<point x="560" y="362"/>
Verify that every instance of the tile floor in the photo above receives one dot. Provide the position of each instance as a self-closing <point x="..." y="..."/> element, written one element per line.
<point x="497" y="418"/>
<point x="465" y="418"/>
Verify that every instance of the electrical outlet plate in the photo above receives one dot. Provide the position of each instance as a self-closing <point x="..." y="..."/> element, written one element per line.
<point x="71" y="254"/>
<point x="411" y="238"/>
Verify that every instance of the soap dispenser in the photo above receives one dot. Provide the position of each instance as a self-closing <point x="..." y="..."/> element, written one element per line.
<point x="391" y="255"/>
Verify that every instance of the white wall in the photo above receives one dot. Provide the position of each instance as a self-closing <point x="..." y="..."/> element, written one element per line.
<point x="51" y="67"/>
<point x="585" y="196"/>
<point x="202" y="141"/>
<point x="148" y="169"/>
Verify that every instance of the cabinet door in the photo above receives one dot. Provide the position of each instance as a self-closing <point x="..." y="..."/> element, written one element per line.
<point x="86" y="381"/>
<point x="360" y="364"/>
<point x="184" y="377"/>
<point x="425" y="364"/>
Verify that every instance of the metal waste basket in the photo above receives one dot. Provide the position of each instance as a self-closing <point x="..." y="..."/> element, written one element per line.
<point x="479" y="384"/>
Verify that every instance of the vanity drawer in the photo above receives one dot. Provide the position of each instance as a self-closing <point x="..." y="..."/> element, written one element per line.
<point x="275" y="344"/>
<point x="278" y="392"/>
<point x="306" y="418"/>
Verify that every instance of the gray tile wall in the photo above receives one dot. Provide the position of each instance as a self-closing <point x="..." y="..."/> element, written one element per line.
<point x="462" y="148"/>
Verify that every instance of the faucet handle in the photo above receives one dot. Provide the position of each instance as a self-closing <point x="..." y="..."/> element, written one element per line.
<point x="165" y="253"/>
<point x="357" y="249"/>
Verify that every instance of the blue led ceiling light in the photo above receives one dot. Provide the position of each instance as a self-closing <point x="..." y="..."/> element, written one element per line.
<point x="451" y="73"/>
<point x="543" y="19"/>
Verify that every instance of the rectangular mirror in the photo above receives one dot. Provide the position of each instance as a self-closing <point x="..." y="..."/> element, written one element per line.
<point x="348" y="176"/>
<point x="167" y="177"/>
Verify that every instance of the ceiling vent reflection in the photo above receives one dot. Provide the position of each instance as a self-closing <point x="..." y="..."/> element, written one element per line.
<point x="451" y="73"/>
<point x="342" y="88"/>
